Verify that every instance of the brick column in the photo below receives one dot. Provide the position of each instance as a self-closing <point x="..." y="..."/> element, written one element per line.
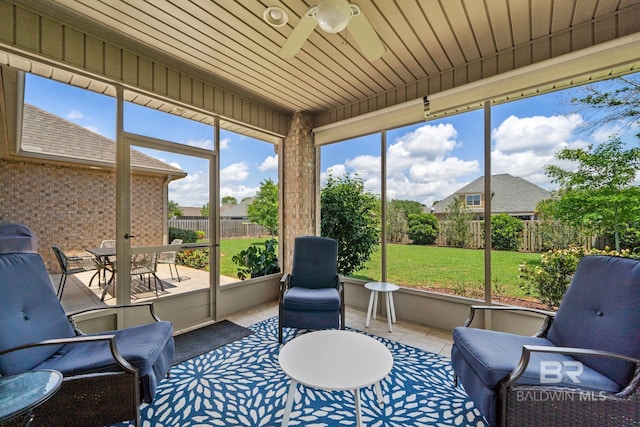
<point x="298" y="184"/>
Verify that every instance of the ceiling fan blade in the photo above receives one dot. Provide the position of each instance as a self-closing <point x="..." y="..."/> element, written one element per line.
<point x="299" y="35"/>
<point x="364" y="34"/>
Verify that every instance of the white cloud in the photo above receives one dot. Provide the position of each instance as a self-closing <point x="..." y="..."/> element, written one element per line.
<point x="538" y="133"/>
<point x="419" y="165"/>
<point x="235" y="172"/>
<point x="239" y="192"/>
<point x="192" y="190"/>
<point x="430" y="142"/>
<point x="523" y="146"/>
<point x="224" y="143"/>
<point x="335" y="170"/>
<point x="75" y="115"/>
<point x="270" y="163"/>
<point x="201" y="143"/>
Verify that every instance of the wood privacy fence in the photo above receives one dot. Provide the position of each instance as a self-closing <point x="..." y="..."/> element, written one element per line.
<point x="537" y="236"/>
<point x="228" y="227"/>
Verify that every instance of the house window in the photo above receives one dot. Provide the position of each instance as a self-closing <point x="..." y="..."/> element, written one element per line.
<point x="473" y="200"/>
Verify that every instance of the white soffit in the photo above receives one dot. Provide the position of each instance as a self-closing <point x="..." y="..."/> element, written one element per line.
<point x="602" y="61"/>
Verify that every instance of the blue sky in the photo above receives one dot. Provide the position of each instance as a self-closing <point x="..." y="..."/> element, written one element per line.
<point x="245" y="162"/>
<point x="426" y="161"/>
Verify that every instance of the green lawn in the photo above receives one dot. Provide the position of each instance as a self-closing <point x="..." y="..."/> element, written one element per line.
<point x="231" y="247"/>
<point x="461" y="270"/>
<point x="429" y="267"/>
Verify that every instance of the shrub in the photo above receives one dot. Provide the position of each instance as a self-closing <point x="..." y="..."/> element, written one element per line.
<point x="187" y="236"/>
<point x="506" y="232"/>
<point x="550" y="279"/>
<point x="350" y="215"/>
<point x="259" y="259"/>
<point x="194" y="258"/>
<point x="423" y="228"/>
<point x="456" y="230"/>
<point x="200" y="234"/>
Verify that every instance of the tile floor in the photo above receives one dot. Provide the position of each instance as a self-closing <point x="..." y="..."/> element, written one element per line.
<point x="434" y="340"/>
<point x="78" y="296"/>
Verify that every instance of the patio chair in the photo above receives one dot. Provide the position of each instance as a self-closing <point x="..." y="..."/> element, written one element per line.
<point x="146" y="265"/>
<point x="581" y="368"/>
<point x="312" y="295"/>
<point x="170" y="258"/>
<point x="72" y="265"/>
<point x="106" y="376"/>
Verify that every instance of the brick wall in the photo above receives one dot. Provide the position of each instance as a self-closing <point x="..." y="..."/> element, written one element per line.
<point x="299" y="186"/>
<point x="74" y="207"/>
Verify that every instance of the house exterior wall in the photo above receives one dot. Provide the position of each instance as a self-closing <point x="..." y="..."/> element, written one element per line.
<point x="74" y="207"/>
<point x="299" y="185"/>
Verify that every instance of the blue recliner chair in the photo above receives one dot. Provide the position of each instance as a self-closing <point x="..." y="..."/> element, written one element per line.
<point x="312" y="296"/>
<point x="106" y="375"/>
<point x="581" y="368"/>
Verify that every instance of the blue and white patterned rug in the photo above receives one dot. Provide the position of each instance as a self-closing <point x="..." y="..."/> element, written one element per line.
<point x="241" y="384"/>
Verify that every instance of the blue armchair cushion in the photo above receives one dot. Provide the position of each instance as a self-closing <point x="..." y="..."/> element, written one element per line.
<point x="28" y="314"/>
<point x="139" y="345"/>
<point x="303" y="299"/>
<point x="314" y="262"/>
<point x="601" y="311"/>
<point x="149" y="348"/>
<point x="493" y="355"/>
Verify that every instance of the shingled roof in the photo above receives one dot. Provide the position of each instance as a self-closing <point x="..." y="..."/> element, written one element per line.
<point x="47" y="134"/>
<point x="511" y="194"/>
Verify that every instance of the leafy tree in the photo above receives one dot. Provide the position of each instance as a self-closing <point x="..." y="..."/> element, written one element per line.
<point x="600" y="194"/>
<point x="263" y="209"/>
<point x="423" y="228"/>
<point x="349" y="214"/>
<point x="229" y="200"/>
<point x="457" y="229"/>
<point x="407" y="206"/>
<point x="204" y="210"/>
<point x="614" y="101"/>
<point x="396" y="222"/>
<point x="505" y="232"/>
<point x="173" y="209"/>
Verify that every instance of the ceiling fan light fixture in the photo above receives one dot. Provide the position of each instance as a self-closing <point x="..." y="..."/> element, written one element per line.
<point x="275" y="16"/>
<point x="333" y="15"/>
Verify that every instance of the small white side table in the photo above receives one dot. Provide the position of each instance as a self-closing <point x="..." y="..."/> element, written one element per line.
<point x="387" y="289"/>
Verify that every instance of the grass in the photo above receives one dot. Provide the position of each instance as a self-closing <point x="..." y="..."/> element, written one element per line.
<point x="460" y="270"/>
<point x="231" y="247"/>
<point x="428" y="267"/>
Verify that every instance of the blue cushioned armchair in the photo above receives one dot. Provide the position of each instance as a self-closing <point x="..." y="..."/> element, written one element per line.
<point x="581" y="368"/>
<point x="312" y="296"/>
<point x="106" y="375"/>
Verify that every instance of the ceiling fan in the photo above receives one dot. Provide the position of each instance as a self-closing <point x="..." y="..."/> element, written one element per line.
<point x="334" y="16"/>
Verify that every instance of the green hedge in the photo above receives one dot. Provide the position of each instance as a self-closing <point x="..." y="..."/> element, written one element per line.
<point x="187" y="236"/>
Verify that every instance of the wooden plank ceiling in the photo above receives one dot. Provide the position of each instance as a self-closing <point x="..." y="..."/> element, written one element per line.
<point x="231" y="43"/>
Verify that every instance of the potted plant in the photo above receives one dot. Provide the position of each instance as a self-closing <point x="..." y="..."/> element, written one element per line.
<point x="259" y="259"/>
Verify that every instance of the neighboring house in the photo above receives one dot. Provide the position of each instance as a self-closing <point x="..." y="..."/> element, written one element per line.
<point x="190" y="212"/>
<point x="237" y="212"/>
<point x="61" y="182"/>
<point x="509" y="194"/>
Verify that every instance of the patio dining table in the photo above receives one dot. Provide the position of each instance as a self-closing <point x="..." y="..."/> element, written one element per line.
<point x="105" y="256"/>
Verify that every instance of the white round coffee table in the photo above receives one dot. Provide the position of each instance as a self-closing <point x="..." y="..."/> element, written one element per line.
<point x="334" y="360"/>
<point x="387" y="289"/>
